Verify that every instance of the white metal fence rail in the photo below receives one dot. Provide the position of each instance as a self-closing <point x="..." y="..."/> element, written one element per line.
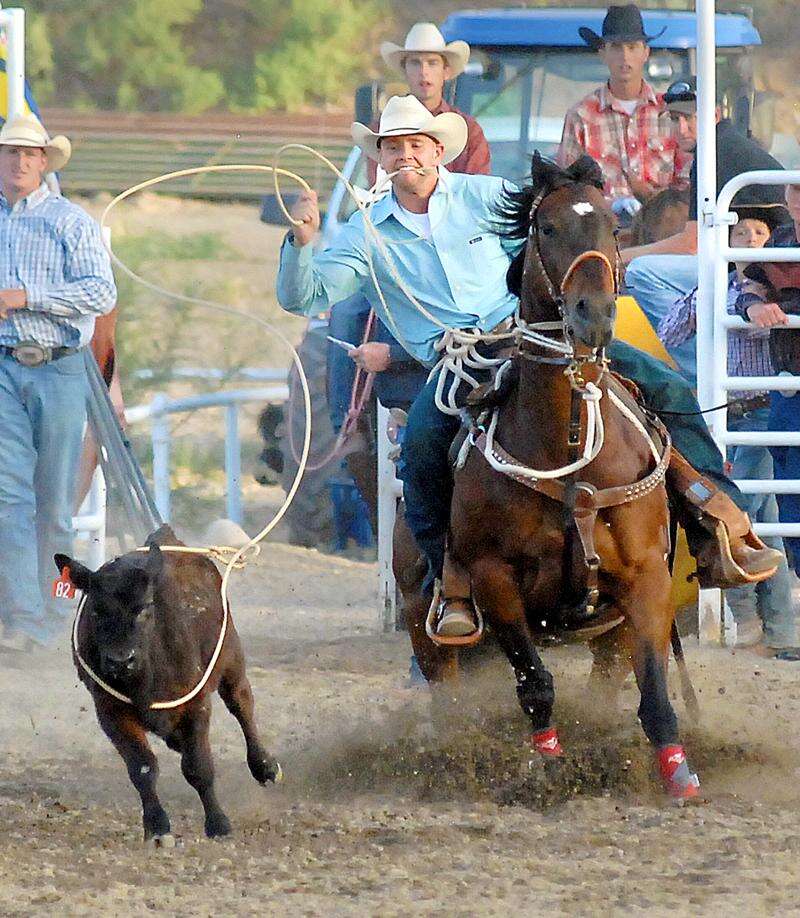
<point x="90" y="521"/>
<point x="158" y="412"/>
<point x="722" y="384"/>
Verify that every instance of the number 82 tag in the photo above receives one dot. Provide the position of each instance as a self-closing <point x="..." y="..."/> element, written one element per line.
<point x="63" y="587"/>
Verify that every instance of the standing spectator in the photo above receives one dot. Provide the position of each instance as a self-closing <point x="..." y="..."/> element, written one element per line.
<point x="772" y="292"/>
<point x="55" y="277"/>
<point x="427" y="62"/>
<point x="622" y="124"/>
<point x="765" y="608"/>
<point x="663" y="271"/>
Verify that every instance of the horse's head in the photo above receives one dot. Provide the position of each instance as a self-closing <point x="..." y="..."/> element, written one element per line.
<point x="119" y="608"/>
<point x="568" y="267"/>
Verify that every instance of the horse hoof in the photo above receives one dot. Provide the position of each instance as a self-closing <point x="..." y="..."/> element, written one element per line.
<point x="161" y="841"/>
<point x="547" y="744"/>
<point x="682" y="784"/>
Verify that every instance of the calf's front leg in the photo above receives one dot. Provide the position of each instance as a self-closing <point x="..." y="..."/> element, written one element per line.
<point x="236" y="692"/>
<point x="197" y="765"/>
<point x="130" y="740"/>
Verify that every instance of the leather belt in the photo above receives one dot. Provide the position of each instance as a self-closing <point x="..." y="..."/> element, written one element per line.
<point x="32" y="354"/>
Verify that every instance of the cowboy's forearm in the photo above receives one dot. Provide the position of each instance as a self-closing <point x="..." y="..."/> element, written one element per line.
<point x="309" y="284"/>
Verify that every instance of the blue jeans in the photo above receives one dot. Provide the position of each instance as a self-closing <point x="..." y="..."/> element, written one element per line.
<point x="656" y="282"/>
<point x="771" y="599"/>
<point x="425" y="466"/>
<point x="42" y="414"/>
<point x="785" y="415"/>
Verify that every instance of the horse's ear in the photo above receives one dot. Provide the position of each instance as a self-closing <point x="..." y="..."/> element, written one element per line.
<point x="587" y="171"/>
<point x="514" y="274"/>
<point x="543" y="171"/>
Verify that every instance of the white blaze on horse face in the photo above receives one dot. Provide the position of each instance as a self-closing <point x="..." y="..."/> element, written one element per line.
<point x="582" y="208"/>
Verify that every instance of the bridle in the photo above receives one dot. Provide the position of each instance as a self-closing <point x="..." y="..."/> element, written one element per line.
<point x="530" y="338"/>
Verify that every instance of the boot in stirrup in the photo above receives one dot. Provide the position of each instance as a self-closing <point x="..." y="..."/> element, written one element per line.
<point x="453" y="618"/>
<point x="727" y="551"/>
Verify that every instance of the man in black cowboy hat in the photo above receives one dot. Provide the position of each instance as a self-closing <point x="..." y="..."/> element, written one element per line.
<point x="621" y="123"/>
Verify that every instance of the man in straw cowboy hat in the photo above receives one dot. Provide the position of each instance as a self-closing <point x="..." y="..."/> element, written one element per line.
<point x="55" y="277"/>
<point x="427" y="62"/>
<point x="622" y="124"/>
<point x="437" y="227"/>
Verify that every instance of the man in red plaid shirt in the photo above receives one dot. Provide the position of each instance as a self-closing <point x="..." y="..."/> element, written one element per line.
<point x="623" y="124"/>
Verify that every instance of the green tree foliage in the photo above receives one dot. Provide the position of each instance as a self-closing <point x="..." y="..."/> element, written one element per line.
<point x="320" y="50"/>
<point x="126" y="54"/>
<point x="287" y="53"/>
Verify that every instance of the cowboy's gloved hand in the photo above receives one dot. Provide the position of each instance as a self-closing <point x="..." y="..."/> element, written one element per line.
<point x="374" y="356"/>
<point x="306" y="209"/>
<point x="10" y="300"/>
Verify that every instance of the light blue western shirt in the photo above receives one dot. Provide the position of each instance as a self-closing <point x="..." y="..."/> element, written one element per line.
<point x="53" y="249"/>
<point x="458" y="275"/>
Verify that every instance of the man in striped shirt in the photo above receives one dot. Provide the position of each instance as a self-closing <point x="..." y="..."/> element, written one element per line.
<point x="55" y="278"/>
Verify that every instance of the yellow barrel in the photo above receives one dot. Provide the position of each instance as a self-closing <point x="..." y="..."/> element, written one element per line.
<point x="633" y="327"/>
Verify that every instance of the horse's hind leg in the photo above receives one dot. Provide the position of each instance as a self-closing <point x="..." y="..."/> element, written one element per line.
<point x="130" y="741"/>
<point x="235" y="691"/>
<point x="497" y="594"/>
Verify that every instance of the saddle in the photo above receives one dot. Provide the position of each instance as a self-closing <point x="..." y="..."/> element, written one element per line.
<point x="581" y="615"/>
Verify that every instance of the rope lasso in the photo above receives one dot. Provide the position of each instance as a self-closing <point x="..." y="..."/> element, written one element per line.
<point x="238" y="556"/>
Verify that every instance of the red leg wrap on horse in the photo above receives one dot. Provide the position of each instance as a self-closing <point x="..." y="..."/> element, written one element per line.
<point x="680" y="782"/>
<point x="546" y="742"/>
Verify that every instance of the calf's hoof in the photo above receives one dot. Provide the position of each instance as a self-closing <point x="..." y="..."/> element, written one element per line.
<point x="160" y="841"/>
<point x="267" y="770"/>
<point x="217" y="826"/>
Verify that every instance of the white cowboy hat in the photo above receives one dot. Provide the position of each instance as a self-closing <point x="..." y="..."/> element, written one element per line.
<point x="28" y="131"/>
<point x="405" y="115"/>
<point x="424" y="37"/>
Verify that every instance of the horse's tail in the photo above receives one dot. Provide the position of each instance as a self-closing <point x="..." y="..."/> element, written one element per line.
<point x="687" y="689"/>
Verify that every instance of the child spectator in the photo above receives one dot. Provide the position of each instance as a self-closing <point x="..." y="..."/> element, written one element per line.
<point x="764" y="609"/>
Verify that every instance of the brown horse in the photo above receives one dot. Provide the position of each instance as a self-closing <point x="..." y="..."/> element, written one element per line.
<point x="586" y="553"/>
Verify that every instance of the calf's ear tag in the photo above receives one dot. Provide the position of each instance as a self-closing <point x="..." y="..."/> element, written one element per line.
<point x="63" y="587"/>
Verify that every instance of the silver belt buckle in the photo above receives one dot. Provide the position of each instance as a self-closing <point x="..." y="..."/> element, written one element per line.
<point x="31" y="354"/>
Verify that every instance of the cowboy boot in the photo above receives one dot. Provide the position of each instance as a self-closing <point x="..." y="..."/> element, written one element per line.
<point x="455" y="612"/>
<point x="727" y="551"/>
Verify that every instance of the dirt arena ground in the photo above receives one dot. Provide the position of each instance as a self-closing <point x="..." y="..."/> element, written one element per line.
<point x="380" y="815"/>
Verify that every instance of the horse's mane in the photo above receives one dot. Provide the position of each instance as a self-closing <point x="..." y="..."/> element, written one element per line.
<point x="514" y="209"/>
